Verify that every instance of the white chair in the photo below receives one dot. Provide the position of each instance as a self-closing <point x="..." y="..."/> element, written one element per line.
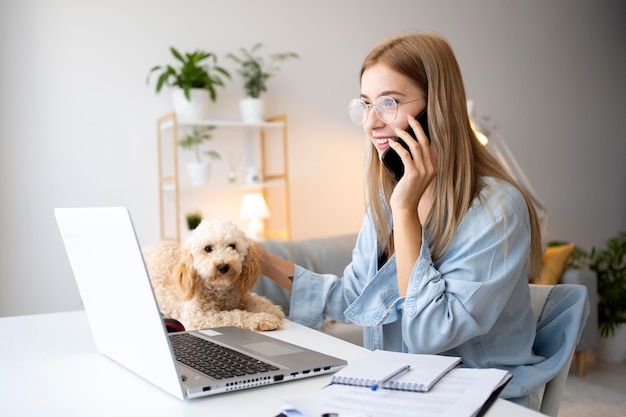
<point x="545" y="301"/>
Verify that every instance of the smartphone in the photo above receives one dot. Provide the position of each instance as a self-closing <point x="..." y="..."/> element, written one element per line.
<point x="392" y="160"/>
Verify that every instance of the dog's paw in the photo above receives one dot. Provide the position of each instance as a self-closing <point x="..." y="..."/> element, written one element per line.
<point x="264" y="322"/>
<point x="277" y="311"/>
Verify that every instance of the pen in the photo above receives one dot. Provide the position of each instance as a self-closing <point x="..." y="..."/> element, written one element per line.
<point x="341" y="415"/>
<point x="393" y="374"/>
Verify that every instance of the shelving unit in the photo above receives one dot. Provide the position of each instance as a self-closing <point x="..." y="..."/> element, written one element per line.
<point x="265" y="147"/>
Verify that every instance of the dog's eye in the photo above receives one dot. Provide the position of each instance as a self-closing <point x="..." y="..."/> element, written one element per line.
<point x="208" y="249"/>
<point x="232" y="246"/>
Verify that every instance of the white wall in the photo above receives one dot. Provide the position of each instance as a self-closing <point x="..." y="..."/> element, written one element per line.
<point x="77" y="120"/>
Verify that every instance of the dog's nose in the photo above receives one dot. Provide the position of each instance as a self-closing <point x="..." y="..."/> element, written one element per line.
<point x="223" y="268"/>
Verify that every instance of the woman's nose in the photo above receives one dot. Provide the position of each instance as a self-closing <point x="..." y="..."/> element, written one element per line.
<point x="372" y="121"/>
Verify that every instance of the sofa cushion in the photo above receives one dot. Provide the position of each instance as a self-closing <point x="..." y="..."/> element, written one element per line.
<point x="553" y="264"/>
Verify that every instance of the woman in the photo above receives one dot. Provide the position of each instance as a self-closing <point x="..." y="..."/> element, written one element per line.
<point x="442" y="260"/>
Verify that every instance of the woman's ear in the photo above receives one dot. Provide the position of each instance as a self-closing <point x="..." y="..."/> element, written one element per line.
<point x="185" y="276"/>
<point x="250" y="269"/>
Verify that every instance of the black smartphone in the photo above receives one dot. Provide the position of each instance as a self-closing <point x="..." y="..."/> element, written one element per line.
<point x="392" y="160"/>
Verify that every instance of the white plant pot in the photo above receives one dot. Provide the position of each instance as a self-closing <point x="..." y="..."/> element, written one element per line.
<point x="612" y="349"/>
<point x="198" y="173"/>
<point x="252" y="110"/>
<point x="195" y="110"/>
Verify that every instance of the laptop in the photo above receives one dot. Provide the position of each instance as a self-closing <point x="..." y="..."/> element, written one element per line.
<point x="127" y="325"/>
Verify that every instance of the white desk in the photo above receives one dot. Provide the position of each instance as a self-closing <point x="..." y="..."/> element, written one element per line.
<point x="49" y="366"/>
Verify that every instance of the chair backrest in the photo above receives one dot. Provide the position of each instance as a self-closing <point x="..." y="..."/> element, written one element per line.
<point x="565" y="297"/>
<point x="538" y="296"/>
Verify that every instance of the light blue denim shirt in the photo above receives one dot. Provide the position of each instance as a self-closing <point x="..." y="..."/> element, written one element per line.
<point x="474" y="302"/>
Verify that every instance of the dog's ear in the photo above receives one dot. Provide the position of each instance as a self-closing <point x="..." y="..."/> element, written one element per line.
<point x="250" y="270"/>
<point x="185" y="276"/>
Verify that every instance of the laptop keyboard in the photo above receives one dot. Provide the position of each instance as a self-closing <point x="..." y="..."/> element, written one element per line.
<point x="214" y="360"/>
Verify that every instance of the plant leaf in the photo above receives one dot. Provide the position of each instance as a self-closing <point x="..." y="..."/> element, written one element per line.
<point x="177" y="54"/>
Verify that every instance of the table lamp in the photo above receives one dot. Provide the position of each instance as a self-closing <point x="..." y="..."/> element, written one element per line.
<point x="254" y="209"/>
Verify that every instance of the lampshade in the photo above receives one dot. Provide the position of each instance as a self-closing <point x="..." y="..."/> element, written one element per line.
<point x="253" y="206"/>
<point x="254" y="209"/>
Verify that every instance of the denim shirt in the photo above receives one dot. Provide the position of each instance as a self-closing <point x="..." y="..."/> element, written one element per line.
<point x="474" y="302"/>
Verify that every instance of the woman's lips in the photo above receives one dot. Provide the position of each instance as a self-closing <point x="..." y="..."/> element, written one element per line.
<point x="381" y="143"/>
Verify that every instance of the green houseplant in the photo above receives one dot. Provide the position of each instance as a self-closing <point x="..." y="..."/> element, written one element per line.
<point x="609" y="264"/>
<point x="193" y="219"/>
<point x="191" y="73"/>
<point x="256" y="70"/>
<point x="198" y="170"/>
<point x="197" y="137"/>
<point x="195" y="79"/>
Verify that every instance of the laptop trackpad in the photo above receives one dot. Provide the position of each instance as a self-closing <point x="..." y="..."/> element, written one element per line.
<point x="271" y="349"/>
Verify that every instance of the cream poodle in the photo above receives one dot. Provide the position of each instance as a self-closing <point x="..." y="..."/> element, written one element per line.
<point x="207" y="281"/>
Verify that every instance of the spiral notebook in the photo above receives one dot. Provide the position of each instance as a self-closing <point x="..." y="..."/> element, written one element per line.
<point x="461" y="392"/>
<point x="396" y="370"/>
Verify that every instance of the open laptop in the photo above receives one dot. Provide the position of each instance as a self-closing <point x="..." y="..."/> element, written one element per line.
<point x="127" y="326"/>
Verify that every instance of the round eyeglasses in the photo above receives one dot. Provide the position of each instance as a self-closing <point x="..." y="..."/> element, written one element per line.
<point x="386" y="109"/>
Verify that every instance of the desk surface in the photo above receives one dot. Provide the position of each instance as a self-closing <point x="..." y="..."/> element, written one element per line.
<point x="49" y="366"/>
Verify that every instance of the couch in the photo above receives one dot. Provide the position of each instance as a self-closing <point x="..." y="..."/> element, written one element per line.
<point x="330" y="255"/>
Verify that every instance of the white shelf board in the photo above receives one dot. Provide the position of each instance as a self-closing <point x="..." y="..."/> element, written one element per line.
<point x="223" y="123"/>
<point x="242" y="186"/>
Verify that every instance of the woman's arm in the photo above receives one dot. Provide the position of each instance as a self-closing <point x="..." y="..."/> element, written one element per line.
<point x="409" y="211"/>
<point x="277" y="269"/>
<point x="407" y="236"/>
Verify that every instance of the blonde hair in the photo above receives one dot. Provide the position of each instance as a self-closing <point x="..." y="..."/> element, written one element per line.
<point x="428" y="60"/>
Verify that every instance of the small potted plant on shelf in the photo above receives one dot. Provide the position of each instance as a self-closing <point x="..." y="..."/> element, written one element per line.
<point x="195" y="79"/>
<point x="193" y="219"/>
<point x="609" y="264"/>
<point x="256" y="71"/>
<point x="199" y="169"/>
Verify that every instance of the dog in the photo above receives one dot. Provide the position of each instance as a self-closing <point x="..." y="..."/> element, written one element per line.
<point x="207" y="281"/>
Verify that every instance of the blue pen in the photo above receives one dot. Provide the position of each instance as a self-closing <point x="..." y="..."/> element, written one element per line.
<point x="342" y="415"/>
<point x="393" y="375"/>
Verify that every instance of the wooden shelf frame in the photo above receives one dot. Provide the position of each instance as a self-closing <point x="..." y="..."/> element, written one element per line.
<point x="171" y="182"/>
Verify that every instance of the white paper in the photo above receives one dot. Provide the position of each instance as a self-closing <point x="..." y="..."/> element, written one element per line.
<point x="460" y="393"/>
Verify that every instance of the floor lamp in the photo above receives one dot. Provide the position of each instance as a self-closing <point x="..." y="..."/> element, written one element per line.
<point x="485" y="127"/>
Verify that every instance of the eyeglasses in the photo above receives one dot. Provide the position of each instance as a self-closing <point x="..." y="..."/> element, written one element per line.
<point x="386" y="109"/>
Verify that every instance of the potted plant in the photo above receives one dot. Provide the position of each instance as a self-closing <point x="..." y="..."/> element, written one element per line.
<point x="609" y="264"/>
<point x="196" y="82"/>
<point x="256" y="71"/>
<point x="193" y="219"/>
<point x="198" y="170"/>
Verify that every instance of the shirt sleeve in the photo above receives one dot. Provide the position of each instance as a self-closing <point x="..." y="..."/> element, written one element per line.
<point x="315" y="296"/>
<point x="463" y="295"/>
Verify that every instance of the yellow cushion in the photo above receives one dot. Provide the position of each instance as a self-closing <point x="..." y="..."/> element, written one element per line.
<point x="553" y="263"/>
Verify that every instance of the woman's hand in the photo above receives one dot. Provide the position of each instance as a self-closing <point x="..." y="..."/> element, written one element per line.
<point x="418" y="172"/>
